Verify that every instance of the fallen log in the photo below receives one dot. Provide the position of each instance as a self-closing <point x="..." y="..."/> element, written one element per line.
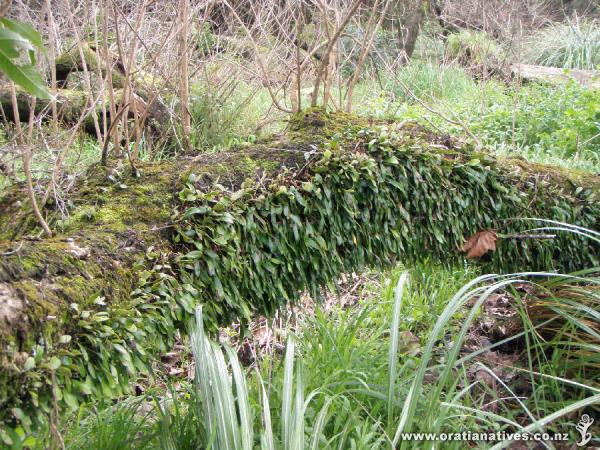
<point x="554" y="75"/>
<point x="73" y="103"/>
<point x="70" y="62"/>
<point x="246" y="232"/>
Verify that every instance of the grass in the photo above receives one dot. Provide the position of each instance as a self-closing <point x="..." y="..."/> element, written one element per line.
<point x="234" y="114"/>
<point x="395" y="363"/>
<point x="574" y="44"/>
<point x="557" y="125"/>
<point x="428" y="81"/>
<point x="398" y="361"/>
<point x="84" y="152"/>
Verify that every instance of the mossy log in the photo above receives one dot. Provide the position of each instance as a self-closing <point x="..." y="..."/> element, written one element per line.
<point x="556" y="75"/>
<point x="70" y="61"/>
<point x="246" y="231"/>
<point x="72" y="103"/>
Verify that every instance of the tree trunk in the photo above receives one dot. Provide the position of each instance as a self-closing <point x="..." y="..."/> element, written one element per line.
<point x="184" y="90"/>
<point x="72" y="102"/>
<point x="447" y="27"/>
<point x="555" y="75"/>
<point x="246" y="231"/>
<point x="411" y="15"/>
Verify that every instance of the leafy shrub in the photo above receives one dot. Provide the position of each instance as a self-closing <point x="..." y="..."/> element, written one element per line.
<point x="257" y="248"/>
<point x="473" y="49"/>
<point x="17" y="39"/>
<point x="205" y="40"/>
<point x="571" y="45"/>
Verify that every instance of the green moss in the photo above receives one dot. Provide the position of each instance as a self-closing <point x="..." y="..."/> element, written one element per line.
<point x="562" y="177"/>
<point x="314" y="125"/>
<point x="85" y="215"/>
<point x="70" y="61"/>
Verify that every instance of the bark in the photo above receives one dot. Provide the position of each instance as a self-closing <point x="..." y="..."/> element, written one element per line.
<point x="4" y="5"/>
<point x="184" y="90"/>
<point x="72" y="103"/>
<point x="112" y="222"/>
<point x="71" y="62"/>
<point x="411" y="19"/>
<point x="447" y="27"/>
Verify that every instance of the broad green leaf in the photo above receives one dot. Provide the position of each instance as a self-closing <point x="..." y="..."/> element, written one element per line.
<point x="29" y="363"/>
<point x="70" y="400"/>
<point x="25" y="76"/>
<point x="196" y="211"/>
<point x="5" y="437"/>
<point x="18" y="413"/>
<point x="54" y="363"/>
<point x="25" y="30"/>
<point x="12" y="43"/>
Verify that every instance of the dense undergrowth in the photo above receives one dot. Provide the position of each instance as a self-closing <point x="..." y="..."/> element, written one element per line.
<point x="548" y="124"/>
<point x="574" y="44"/>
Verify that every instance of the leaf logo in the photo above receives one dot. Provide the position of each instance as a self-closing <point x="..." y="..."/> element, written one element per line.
<point x="583" y="426"/>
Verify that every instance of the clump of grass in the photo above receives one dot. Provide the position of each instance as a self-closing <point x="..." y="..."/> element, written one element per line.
<point x="104" y="426"/>
<point x="427" y="81"/>
<point x="574" y="44"/>
<point x="430" y="81"/>
<point x="229" y="115"/>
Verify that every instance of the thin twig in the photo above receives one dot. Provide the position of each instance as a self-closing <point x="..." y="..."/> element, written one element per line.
<point x="30" y="192"/>
<point x="527" y="236"/>
<point x="12" y="252"/>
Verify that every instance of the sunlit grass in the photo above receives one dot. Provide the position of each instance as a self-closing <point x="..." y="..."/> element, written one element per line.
<point x="556" y="125"/>
<point x="574" y="44"/>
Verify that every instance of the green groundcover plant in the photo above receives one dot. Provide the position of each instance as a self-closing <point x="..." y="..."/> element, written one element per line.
<point x="362" y="378"/>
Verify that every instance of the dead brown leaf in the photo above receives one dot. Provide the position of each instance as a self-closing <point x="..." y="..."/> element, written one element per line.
<point x="479" y="244"/>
